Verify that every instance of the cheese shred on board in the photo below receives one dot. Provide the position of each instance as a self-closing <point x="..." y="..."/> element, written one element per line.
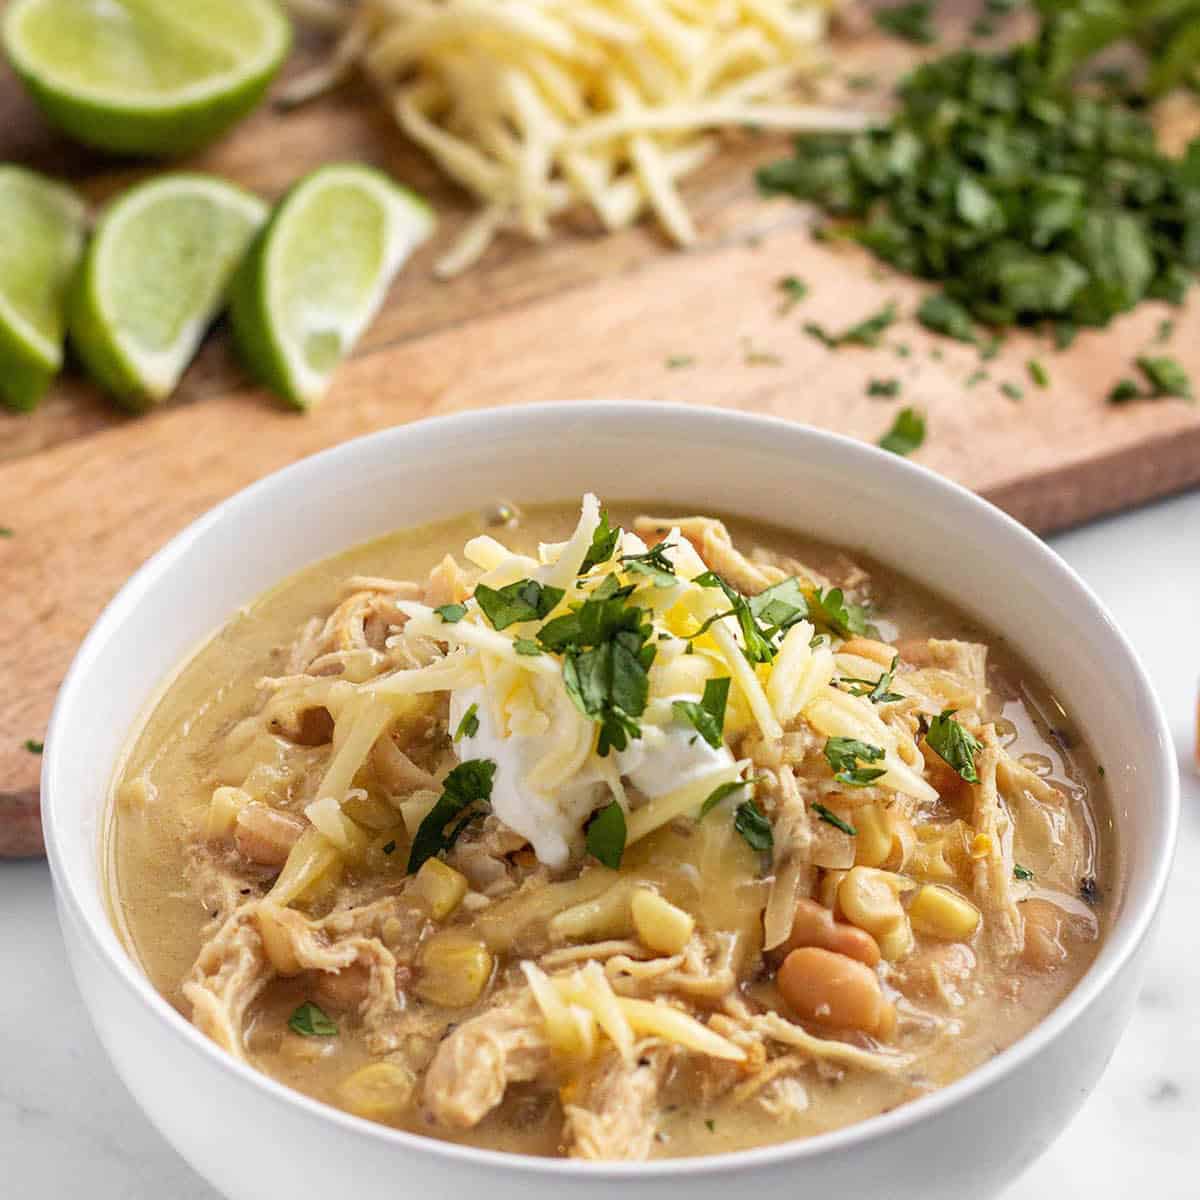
<point x="541" y="106"/>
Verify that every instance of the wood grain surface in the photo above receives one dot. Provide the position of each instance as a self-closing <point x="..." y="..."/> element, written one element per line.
<point x="89" y="493"/>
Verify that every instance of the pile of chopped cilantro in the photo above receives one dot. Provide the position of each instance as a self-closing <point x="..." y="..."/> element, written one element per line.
<point x="1028" y="201"/>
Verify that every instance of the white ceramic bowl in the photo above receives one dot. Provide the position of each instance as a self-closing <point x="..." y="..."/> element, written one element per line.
<point x="255" y="1138"/>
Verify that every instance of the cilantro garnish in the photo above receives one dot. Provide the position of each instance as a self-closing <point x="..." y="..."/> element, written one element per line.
<point x="1027" y="200"/>
<point x="875" y="690"/>
<point x="954" y="744"/>
<point x="469" y="725"/>
<point x="606" y="835"/>
<point x="708" y="717"/>
<point x="1012" y="391"/>
<point x="1038" y="373"/>
<point x="844" y="755"/>
<point x="604" y="642"/>
<point x="749" y="821"/>
<point x="719" y="793"/>
<point x="309" y="1020"/>
<point x="525" y="600"/>
<point x="911" y="22"/>
<point x="1166" y="376"/>
<point x="676" y="361"/>
<point x="1122" y="391"/>
<point x="832" y="610"/>
<point x="943" y="315"/>
<point x="831" y="818"/>
<point x="466" y="795"/>
<point x="906" y="434"/>
<point x="1020" y="872"/>
<point x="780" y="606"/>
<point x="757" y="645"/>
<point x="526" y="646"/>
<point x="451" y="614"/>
<point x="654" y="564"/>
<point x="604" y="543"/>
<point x="34" y="746"/>
<point x="868" y="332"/>
<point x="794" y="290"/>
<point x="883" y="387"/>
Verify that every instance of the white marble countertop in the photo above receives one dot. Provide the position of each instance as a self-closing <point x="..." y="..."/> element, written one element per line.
<point x="68" y="1128"/>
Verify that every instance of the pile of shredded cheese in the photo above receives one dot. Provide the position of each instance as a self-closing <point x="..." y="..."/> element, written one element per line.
<point x="539" y="106"/>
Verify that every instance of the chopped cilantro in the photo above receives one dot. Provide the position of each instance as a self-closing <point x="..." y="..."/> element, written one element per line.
<point x="469" y="725"/>
<point x="466" y="795"/>
<point x="843" y="756"/>
<point x="906" y="434"/>
<point x="749" y="821"/>
<point x="604" y="641"/>
<point x="708" y="717"/>
<point x="954" y="744"/>
<point x="977" y="377"/>
<point x="944" y="315"/>
<point x="780" y="606"/>
<point x="33" y="746"/>
<point x="1012" y="390"/>
<point x="1166" y="328"/>
<point x="310" y="1021"/>
<point x="451" y="614"/>
<point x="1123" y="391"/>
<point x="1166" y="376"/>
<point x="875" y="690"/>
<point x="675" y="361"/>
<point x="831" y="818"/>
<point x="794" y="290"/>
<point x="710" y="1125"/>
<point x="525" y="600"/>
<point x="527" y="647"/>
<point x="1038" y="373"/>
<point x="719" y="793"/>
<point x="883" y="387"/>
<point x="832" y="610"/>
<point x="868" y="332"/>
<point x="604" y="545"/>
<point x="606" y="835"/>
<point x="654" y="564"/>
<point x="1022" y="873"/>
<point x="757" y="645"/>
<point x="6" y="532"/>
<point x="389" y="847"/>
<point x="912" y="22"/>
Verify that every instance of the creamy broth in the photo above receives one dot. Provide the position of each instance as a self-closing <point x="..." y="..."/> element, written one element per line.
<point x="181" y="872"/>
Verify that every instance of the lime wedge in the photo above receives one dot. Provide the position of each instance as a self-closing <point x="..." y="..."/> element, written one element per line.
<point x="41" y="237"/>
<point x="318" y="273"/>
<point x="153" y="278"/>
<point x="146" y="76"/>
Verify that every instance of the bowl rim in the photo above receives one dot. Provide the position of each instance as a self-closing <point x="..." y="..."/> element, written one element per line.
<point x="1123" y="940"/>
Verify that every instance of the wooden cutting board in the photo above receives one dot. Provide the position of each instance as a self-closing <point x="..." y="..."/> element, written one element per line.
<point x="89" y="494"/>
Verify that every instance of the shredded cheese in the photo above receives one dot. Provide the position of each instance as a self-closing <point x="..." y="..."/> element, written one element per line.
<point x="536" y="106"/>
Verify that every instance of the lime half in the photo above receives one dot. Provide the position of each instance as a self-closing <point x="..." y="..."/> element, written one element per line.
<point x="153" y="278"/>
<point x="318" y="273"/>
<point x="41" y="237"/>
<point x="146" y="76"/>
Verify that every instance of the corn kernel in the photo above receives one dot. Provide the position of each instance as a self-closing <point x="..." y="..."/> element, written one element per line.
<point x="454" y="969"/>
<point x="227" y="802"/>
<point x="870" y="899"/>
<point x="873" y="846"/>
<point x="659" y="923"/>
<point x="981" y="846"/>
<point x="941" y="913"/>
<point x="441" y="886"/>
<point x="897" y="944"/>
<point x="379" y="1092"/>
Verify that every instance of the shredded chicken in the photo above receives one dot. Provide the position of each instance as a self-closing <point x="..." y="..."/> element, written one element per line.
<point x="795" y="876"/>
<point x="994" y="872"/>
<point x="475" y="1064"/>
<point x="614" y="1108"/>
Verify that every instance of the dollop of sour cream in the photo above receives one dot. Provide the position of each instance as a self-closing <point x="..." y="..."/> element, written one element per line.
<point x="668" y="755"/>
